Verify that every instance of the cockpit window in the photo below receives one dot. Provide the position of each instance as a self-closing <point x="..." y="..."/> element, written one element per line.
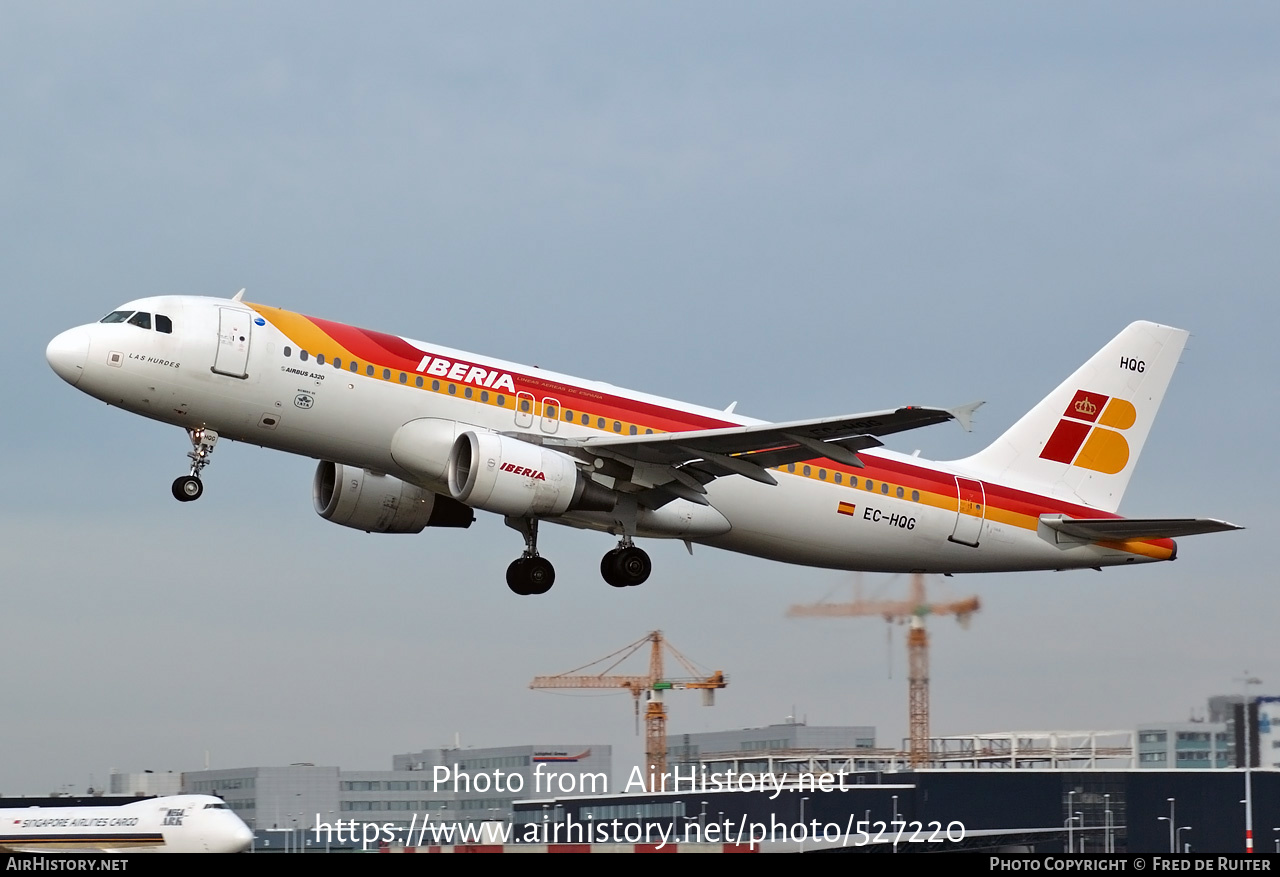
<point x="218" y="806"/>
<point x="141" y="319"/>
<point x="164" y="324"/>
<point x="116" y="317"/>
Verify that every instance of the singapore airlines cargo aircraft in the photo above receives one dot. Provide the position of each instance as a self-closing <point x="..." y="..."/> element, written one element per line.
<point x="413" y="435"/>
<point x="174" y="824"/>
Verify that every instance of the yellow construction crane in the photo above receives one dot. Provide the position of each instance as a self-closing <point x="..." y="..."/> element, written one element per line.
<point x="654" y="683"/>
<point x="913" y="609"/>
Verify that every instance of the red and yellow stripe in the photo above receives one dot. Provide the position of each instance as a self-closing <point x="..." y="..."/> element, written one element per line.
<point x="1004" y="505"/>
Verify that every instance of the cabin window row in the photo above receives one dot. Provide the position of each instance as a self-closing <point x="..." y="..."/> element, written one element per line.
<point x="867" y="484"/>
<point x="526" y="405"/>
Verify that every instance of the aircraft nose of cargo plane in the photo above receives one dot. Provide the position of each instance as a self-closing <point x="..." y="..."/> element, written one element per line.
<point x="240" y="839"/>
<point x="67" y="354"/>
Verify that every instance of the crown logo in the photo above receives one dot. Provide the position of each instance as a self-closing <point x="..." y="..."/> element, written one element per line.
<point x="1087" y="408"/>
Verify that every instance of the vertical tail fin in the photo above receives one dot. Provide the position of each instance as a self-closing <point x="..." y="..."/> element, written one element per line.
<point x="1082" y="441"/>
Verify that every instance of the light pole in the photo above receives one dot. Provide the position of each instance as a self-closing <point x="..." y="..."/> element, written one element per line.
<point x="1181" y="829"/>
<point x="1172" y="834"/>
<point x="1106" y="816"/>
<point x="278" y="830"/>
<point x="805" y="832"/>
<point x="1247" y="730"/>
<point x="895" y="820"/>
<point x="1071" y="838"/>
<point x="1080" y="819"/>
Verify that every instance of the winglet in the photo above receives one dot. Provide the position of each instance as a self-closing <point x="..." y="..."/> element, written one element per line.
<point x="732" y="405"/>
<point x="239" y="296"/>
<point x="964" y="414"/>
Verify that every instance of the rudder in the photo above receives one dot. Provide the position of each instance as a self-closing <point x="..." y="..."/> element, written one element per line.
<point x="1082" y="441"/>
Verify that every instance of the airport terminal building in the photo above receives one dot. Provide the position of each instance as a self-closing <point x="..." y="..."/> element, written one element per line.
<point x="1029" y="810"/>
<point x="1157" y="788"/>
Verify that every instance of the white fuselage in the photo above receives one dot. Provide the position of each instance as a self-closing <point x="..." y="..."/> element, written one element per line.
<point x="238" y="369"/>
<point x="173" y="824"/>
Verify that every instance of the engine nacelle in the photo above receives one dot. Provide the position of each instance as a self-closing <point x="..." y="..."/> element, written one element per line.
<point x="501" y="474"/>
<point x="364" y="500"/>
<point x="422" y="448"/>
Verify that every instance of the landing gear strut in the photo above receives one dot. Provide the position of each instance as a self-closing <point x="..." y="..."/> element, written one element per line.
<point x="529" y="573"/>
<point x="190" y="487"/>
<point x="626" y="565"/>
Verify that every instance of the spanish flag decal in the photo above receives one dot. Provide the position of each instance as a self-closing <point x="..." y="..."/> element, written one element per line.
<point x="846" y="508"/>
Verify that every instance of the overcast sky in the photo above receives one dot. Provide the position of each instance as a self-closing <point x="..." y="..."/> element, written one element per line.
<point x="813" y="209"/>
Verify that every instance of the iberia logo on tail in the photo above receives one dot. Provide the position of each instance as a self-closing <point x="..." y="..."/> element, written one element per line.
<point x="1089" y="433"/>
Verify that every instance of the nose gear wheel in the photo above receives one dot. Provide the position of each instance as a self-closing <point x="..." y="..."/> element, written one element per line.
<point x="190" y="487"/>
<point x="187" y="488"/>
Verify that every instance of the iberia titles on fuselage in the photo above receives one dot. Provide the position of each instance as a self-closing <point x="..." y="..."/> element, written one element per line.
<point x="412" y="435"/>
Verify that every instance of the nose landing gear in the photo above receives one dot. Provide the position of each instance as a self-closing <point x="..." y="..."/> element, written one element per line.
<point x="189" y="487"/>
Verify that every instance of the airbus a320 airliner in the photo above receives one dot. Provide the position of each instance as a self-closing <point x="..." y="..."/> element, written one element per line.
<point x="413" y="435"/>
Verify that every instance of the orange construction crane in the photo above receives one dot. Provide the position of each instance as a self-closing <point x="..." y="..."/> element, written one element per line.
<point x="656" y="682"/>
<point x="913" y="609"/>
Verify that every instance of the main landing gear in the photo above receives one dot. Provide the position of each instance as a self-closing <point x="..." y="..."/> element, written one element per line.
<point x="190" y="487"/>
<point x="623" y="567"/>
<point x="529" y="573"/>
<point x="626" y="565"/>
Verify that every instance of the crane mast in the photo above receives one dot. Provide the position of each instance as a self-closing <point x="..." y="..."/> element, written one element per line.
<point x="914" y="609"/>
<point x="652" y="686"/>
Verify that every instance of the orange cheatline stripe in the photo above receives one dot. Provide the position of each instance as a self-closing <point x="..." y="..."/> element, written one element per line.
<point x="301" y="331"/>
<point x="1005" y="505"/>
<point x="1146" y="549"/>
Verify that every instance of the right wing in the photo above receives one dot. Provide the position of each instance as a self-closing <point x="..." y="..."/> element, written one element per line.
<point x="678" y="464"/>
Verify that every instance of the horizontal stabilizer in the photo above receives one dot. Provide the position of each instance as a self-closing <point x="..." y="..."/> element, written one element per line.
<point x="1122" y="529"/>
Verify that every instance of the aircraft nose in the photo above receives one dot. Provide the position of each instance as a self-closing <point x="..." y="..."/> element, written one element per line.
<point x="242" y="839"/>
<point x="67" y="354"/>
<point x="227" y="838"/>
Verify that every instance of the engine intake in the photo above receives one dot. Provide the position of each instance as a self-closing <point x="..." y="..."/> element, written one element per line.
<point x="364" y="500"/>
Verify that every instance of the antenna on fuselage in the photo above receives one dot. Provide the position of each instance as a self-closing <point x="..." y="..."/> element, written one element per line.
<point x="238" y="296"/>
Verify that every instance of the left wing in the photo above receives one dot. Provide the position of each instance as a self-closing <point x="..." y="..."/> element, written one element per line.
<point x="678" y="464"/>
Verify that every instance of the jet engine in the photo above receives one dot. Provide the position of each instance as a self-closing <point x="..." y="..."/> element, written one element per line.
<point x="501" y="474"/>
<point x="364" y="500"/>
